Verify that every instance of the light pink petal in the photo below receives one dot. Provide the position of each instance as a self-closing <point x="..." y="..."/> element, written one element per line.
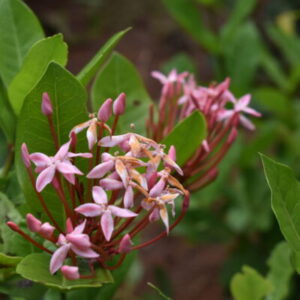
<point x="125" y="244"/>
<point x="70" y="272"/>
<point x="205" y="146"/>
<point x="159" y="76"/>
<point x="101" y="169"/>
<point x="81" y="126"/>
<point x="243" y="102"/>
<point x="25" y="155"/>
<point x="173" y="164"/>
<point x="45" y="177"/>
<point x="78" y="229"/>
<point x="58" y="258"/>
<point x="164" y="216"/>
<point x="247" y="123"/>
<point x="63" y="151"/>
<point x="85" y="155"/>
<point x="154" y="216"/>
<point x="121" y="212"/>
<point x="225" y="115"/>
<point x="40" y="159"/>
<point x="158" y="188"/>
<point x="61" y="241"/>
<point x="69" y="177"/>
<point x="122" y="171"/>
<point x="47" y="230"/>
<point x="87" y="253"/>
<point x="99" y="195"/>
<point x="252" y="112"/>
<point x="67" y="168"/>
<point x="112" y="141"/>
<point x="111" y="184"/>
<point x="81" y="240"/>
<point x="107" y="225"/>
<point x="91" y="135"/>
<point x="89" y="210"/>
<point x="128" y="197"/>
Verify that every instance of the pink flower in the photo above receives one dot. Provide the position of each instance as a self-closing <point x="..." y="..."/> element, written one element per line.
<point x="240" y="106"/>
<point x="76" y="241"/>
<point x="104" y="112"/>
<point x="70" y="272"/>
<point x="48" y="165"/>
<point x="101" y="208"/>
<point x="119" y="105"/>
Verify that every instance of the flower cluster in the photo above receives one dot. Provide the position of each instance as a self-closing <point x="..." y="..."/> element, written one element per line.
<point x="180" y="97"/>
<point x="129" y="185"/>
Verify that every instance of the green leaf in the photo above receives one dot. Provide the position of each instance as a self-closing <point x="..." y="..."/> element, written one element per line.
<point x="35" y="267"/>
<point x="19" y="30"/>
<point x="10" y="261"/>
<point x="7" y="116"/>
<point x="187" y="14"/>
<point x="181" y="62"/>
<point x="249" y="285"/>
<point x="69" y="104"/>
<point x="90" y="70"/>
<point x="8" y="210"/>
<point x="285" y="197"/>
<point x="119" y="75"/>
<point x="280" y="271"/>
<point x="241" y="10"/>
<point x="35" y="64"/>
<point x="243" y="52"/>
<point x="187" y="136"/>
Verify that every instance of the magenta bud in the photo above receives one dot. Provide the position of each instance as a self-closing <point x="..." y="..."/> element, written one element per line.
<point x="46" y="230"/>
<point x="119" y="105"/>
<point x="25" y="155"/>
<point x="125" y="244"/>
<point x="172" y="153"/>
<point x="12" y="226"/>
<point x="151" y="179"/>
<point x="104" y="111"/>
<point x="47" y="108"/>
<point x="33" y="223"/>
<point x="70" y="272"/>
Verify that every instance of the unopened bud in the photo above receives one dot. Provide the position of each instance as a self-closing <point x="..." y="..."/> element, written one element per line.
<point x="70" y="272"/>
<point x="125" y="244"/>
<point x="47" y="108"/>
<point x="104" y="112"/>
<point x="12" y="226"/>
<point x="119" y="105"/>
<point x="46" y="230"/>
<point x="172" y="153"/>
<point x="25" y="155"/>
<point x="33" y="223"/>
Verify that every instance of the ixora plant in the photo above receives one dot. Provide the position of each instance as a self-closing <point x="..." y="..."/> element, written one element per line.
<point x="89" y="183"/>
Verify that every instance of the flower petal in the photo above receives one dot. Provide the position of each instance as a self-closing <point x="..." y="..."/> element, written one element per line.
<point x="45" y="177"/>
<point x="99" y="195"/>
<point x="111" y="184"/>
<point x="101" y="169"/>
<point x="80" y="241"/>
<point x="128" y="197"/>
<point x="58" y="258"/>
<point x="67" y="168"/>
<point x="89" y="210"/>
<point x="122" y="171"/>
<point x="79" y="228"/>
<point x="91" y="135"/>
<point x="70" y="272"/>
<point x="62" y="152"/>
<point x="121" y="212"/>
<point x="88" y="253"/>
<point x="164" y="216"/>
<point x="112" y="141"/>
<point x="40" y="159"/>
<point x="107" y="225"/>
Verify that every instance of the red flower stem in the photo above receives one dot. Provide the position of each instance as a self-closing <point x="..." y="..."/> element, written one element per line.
<point x="63" y="199"/>
<point x="203" y="181"/>
<point x="185" y="205"/>
<point x="53" y="132"/>
<point x="42" y="201"/>
<point x="114" y="126"/>
<point x="140" y="227"/>
<point x="17" y="229"/>
<point x="111" y="268"/>
<point x="79" y="192"/>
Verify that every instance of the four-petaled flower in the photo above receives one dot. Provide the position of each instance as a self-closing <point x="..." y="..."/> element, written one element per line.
<point x="101" y="208"/>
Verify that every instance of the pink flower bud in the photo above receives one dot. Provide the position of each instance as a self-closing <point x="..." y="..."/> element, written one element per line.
<point x="46" y="230"/>
<point x="70" y="273"/>
<point x="104" y="112"/>
<point x="172" y="153"/>
<point x="125" y="244"/>
<point x="119" y="105"/>
<point x="25" y="155"/>
<point x="33" y="223"/>
<point x="13" y="226"/>
<point x="47" y="108"/>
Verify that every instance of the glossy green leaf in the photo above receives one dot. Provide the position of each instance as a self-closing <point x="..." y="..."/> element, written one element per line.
<point x="249" y="285"/>
<point x="35" y="64"/>
<point x="280" y="272"/>
<point x="6" y="260"/>
<point x="35" y="267"/>
<point x="187" y="136"/>
<point x="91" y="69"/>
<point x="285" y="197"/>
<point x="187" y="14"/>
<point x="69" y="102"/>
<point x="19" y="30"/>
<point x="119" y="75"/>
<point x="8" y="120"/>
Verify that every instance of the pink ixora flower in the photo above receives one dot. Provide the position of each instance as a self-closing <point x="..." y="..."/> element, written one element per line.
<point x="101" y="208"/>
<point x="76" y="241"/>
<point x="48" y="165"/>
<point x="240" y="106"/>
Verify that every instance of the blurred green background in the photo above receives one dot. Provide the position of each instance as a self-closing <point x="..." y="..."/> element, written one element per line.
<point x="257" y="44"/>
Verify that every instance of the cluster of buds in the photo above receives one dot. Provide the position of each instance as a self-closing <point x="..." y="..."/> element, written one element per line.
<point x="129" y="185"/>
<point x="180" y="97"/>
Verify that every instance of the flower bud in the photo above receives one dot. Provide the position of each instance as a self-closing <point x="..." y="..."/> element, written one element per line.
<point x="46" y="230"/>
<point x="33" y="223"/>
<point x="47" y="108"/>
<point x="104" y="112"/>
<point x="119" y="105"/>
<point x="172" y="153"/>
<point x="25" y="155"/>
<point x="125" y="244"/>
<point x="70" y="272"/>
